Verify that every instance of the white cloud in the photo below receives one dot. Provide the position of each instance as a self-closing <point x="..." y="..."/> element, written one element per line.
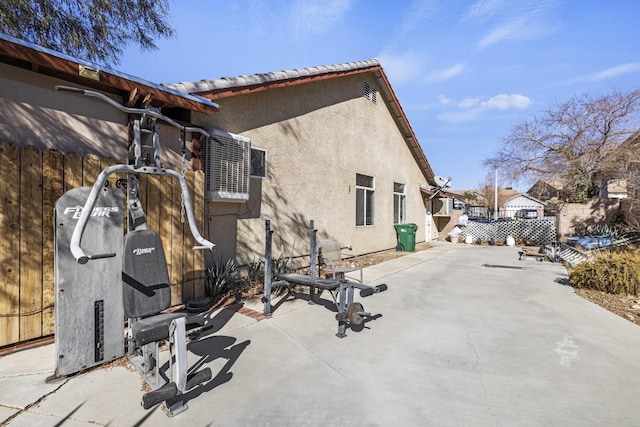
<point x="444" y="100"/>
<point x="504" y="102"/>
<point x="505" y="31"/>
<point x="313" y="17"/>
<point x="446" y="74"/>
<point x="524" y="20"/>
<point x="417" y="12"/>
<point x="401" y="68"/>
<point x="468" y="103"/>
<point x="482" y="9"/>
<point x="620" y="70"/>
<point x="460" y="116"/>
<point x="470" y="109"/>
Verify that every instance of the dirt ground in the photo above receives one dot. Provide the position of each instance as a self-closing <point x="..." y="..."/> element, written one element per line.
<point x="625" y="306"/>
<point x="378" y="257"/>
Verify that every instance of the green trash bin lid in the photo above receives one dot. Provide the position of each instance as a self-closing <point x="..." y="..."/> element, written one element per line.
<point x="406" y="228"/>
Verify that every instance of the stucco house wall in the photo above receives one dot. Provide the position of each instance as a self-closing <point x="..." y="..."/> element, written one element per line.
<point x="34" y="113"/>
<point x="317" y="136"/>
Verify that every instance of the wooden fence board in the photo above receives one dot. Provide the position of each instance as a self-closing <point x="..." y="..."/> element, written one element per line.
<point x="53" y="183"/>
<point x="189" y="243"/>
<point x="105" y="163"/>
<point x="153" y="200"/>
<point x="72" y="171"/>
<point x="143" y="184"/>
<point x="177" y="245"/>
<point x="91" y="168"/>
<point x="9" y="245"/>
<point x="165" y="229"/>
<point x="30" y="243"/>
<point x="197" y="198"/>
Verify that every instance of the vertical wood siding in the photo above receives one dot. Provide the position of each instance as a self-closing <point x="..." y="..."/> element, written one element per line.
<point x="31" y="181"/>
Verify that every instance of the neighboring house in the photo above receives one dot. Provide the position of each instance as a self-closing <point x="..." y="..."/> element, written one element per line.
<point x="510" y="208"/>
<point x="510" y="201"/>
<point x="614" y="189"/>
<point x="554" y="189"/>
<point x="330" y="144"/>
<point x="621" y="174"/>
<point x="549" y="189"/>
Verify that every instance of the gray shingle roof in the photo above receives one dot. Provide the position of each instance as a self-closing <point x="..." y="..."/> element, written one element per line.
<point x="263" y="78"/>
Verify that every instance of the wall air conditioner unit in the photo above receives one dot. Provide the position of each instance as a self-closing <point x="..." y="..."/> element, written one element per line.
<point x="226" y="162"/>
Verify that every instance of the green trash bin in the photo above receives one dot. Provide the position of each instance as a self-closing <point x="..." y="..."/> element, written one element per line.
<point x="406" y="234"/>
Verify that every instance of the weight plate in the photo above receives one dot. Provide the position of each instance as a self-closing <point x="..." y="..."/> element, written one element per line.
<point x="353" y="313"/>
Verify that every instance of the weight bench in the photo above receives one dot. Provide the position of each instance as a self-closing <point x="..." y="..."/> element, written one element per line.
<point x="146" y="293"/>
<point x="341" y="290"/>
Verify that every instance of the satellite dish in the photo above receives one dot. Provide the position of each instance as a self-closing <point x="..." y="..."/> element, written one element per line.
<point x="442" y="182"/>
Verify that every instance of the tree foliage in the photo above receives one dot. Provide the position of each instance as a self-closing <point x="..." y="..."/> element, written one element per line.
<point x="95" y="30"/>
<point x="569" y="141"/>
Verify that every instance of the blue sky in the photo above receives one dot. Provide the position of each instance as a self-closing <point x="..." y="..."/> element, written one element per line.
<point x="465" y="72"/>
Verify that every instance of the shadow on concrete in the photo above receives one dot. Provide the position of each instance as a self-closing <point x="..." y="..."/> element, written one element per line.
<point x="210" y="348"/>
<point x="563" y="281"/>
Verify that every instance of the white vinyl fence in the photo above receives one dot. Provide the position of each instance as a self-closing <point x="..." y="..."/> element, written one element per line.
<point x="531" y="231"/>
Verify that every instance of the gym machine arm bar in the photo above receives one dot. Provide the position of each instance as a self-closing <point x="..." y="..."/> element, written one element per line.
<point x="130" y="110"/>
<point x="76" y="237"/>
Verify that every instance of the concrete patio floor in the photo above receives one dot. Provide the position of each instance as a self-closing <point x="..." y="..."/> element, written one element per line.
<point x="466" y="336"/>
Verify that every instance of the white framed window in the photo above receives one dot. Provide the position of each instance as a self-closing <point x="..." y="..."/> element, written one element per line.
<point x="365" y="187"/>
<point x="258" y="163"/>
<point x="226" y="166"/>
<point x="399" y="203"/>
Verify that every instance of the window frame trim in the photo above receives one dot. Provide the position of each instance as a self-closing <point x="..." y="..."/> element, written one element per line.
<point x="403" y="203"/>
<point x="265" y="163"/>
<point x="371" y="189"/>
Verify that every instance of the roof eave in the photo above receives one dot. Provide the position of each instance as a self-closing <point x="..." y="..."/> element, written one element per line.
<point x="404" y="125"/>
<point x="55" y="64"/>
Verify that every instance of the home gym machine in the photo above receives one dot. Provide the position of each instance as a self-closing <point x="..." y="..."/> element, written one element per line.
<point x="103" y="275"/>
<point x="349" y="312"/>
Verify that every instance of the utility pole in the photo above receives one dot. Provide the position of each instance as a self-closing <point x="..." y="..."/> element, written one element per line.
<point x="495" y="212"/>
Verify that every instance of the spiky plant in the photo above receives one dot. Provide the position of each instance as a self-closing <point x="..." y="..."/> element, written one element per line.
<point x="221" y="277"/>
<point x="255" y="271"/>
<point x="282" y="264"/>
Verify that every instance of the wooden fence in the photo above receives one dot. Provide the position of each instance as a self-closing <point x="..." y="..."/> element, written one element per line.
<point x="31" y="181"/>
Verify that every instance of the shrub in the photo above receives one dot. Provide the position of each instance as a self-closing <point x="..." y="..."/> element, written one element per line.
<point x="281" y="265"/>
<point x="220" y="278"/>
<point x="255" y="271"/>
<point x="611" y="272"/>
